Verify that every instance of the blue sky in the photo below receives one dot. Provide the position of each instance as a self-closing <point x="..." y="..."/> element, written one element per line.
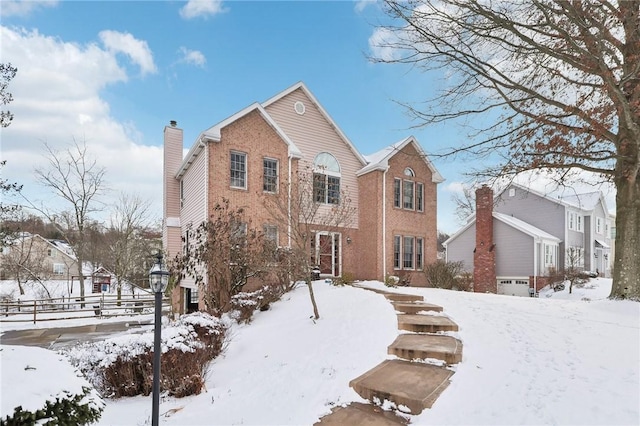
<point x="115" y="73"/>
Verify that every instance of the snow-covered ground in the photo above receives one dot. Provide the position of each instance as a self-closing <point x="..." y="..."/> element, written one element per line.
<point x="557" y="359"/>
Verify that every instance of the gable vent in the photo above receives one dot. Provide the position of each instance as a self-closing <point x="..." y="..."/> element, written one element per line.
<point x="299" y="107"/>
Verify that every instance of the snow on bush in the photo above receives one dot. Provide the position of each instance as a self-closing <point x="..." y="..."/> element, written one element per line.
<point x="122" y="365"/>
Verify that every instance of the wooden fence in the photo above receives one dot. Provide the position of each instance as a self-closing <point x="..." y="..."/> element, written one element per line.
<point x="66" y="308"/>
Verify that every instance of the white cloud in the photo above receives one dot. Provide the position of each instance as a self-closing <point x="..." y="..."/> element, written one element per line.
<point x="57" y="99"/>
<point x="381" y="42"/>
<point x="24" y="7"/>
<point x="192" y="57"/>
<point x="201" y="8"/>
<point x="137" y="50"/>
<point x="362" y="4"/>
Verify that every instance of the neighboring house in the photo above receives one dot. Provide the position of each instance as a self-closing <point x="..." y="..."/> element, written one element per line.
<point x="253" y="155"/>
<point x="33" y="254"/>
<point x="513" y="243"/>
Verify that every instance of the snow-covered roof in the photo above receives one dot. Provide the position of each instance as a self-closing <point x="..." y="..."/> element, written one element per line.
<point x="587" y="201"/>
<point x="380" y="160"/>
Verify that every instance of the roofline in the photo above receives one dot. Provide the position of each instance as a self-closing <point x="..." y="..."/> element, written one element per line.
<point x="472" y="219"/>
<point x="212" y="135"/>
<point x="383" y="165"/>
<point x="325" y="114"/>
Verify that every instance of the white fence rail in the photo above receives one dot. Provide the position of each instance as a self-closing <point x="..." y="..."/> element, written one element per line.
<point x="64" y="308"/>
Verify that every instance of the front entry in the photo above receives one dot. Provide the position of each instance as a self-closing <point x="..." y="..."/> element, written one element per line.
<point x="190" y="300"/>
<point x="327" y="251"/>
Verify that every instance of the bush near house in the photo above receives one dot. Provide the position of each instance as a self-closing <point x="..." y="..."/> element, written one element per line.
<point x="441" y="274"/>
<point x="244" y="304"/>
<point x="123" y="366"/>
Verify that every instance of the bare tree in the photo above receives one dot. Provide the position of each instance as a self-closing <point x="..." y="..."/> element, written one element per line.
<point x="465" y="203"/>
<point x="78" y="180"/>
<point x="7" y="73"/>
<point x="302" y="212"/>
<point x="227" y="251"/>
<point x="126" y="247"/>
<point x="555" y="84"/>
<point x="25" y="261"/>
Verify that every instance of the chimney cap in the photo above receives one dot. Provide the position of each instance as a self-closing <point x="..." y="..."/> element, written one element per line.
<point x="173" y="123"/>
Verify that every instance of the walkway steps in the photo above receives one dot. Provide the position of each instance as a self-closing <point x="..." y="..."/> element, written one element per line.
<point x="403" y="297"/>
<point x="415" y="307"/>
<point x="413" y="385"/>
<point x="425" y="323"/>
<point x="357" y="414"/>
<point x="422" y="346"/>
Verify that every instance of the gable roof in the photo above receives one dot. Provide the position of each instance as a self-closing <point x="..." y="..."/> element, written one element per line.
<point x="584" y="201"/>
<point x="511" y="221"/>
<point x="213" y="134"/>
<point x="300" y="85"/>
<point x="380" y="160"/>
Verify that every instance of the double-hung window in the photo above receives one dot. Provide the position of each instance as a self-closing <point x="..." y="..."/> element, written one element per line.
<point x="419" y="253"/>
<point x="407" y="255"/>
<point x="238" y="170"/>
<point x="407" y="194"/>
<point x="270" y="175"/>
<point x="58" y="269"/>
<point x="419" y="196"/>
<point x="396" y="192"/>
<point x="396" y="252"/>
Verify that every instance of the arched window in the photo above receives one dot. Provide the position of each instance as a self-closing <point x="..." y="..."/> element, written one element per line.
<point x="409" y="172"/>
<point x="326" y="179"/>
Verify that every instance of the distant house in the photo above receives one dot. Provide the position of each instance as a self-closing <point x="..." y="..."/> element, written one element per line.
<point x="514" y="242"/>
<point x="255" y="153"/>
<point x="31" y="253"/>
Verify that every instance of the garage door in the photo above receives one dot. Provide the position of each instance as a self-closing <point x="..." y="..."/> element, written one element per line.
<point x="513" y="286"/>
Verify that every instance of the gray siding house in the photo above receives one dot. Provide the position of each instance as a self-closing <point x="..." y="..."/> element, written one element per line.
<point x="534" y="234"/>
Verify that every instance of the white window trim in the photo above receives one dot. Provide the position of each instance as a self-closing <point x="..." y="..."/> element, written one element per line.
<point x="277" y="174"/>
<point x="246" y="169"/>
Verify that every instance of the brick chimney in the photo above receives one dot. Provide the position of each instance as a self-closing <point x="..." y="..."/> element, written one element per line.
<point x="171" y="233"/>
<point x="484" y="255"/>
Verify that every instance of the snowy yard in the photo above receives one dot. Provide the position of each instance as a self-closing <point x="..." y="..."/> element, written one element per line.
<point x="561" y="359"/>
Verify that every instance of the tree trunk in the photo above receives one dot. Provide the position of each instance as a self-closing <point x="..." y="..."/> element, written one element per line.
<point x="626" y="265"/>
<point x="316" y="315"/>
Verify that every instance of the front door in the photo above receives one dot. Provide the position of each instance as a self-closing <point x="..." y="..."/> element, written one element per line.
<point x="328" y="253"/>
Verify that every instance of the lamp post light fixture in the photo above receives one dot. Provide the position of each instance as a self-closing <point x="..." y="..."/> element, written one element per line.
<point x="158" y="280"/>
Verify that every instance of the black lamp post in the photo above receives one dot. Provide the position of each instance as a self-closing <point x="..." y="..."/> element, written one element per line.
<point x="158" y="280"/>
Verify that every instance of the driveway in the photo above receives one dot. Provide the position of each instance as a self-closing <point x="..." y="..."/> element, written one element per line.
<point x="56" y="338"/>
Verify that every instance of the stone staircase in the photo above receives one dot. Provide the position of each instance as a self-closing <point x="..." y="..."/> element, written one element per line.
<point x="409" y="383"/>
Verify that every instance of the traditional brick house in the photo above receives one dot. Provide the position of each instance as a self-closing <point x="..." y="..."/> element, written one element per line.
<point x="253" y="155"/>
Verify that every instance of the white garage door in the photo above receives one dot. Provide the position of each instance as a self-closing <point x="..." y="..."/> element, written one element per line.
<point x="513" y="286"/>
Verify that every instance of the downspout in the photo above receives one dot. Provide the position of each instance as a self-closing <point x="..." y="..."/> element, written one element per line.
<point x="384" y="224"/>
<point x="535" y="266"/>
<point x="289" y="206"/>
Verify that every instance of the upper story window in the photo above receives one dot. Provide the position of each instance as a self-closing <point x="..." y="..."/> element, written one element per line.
<point x="407" y="193"/>
<point x="238" y="170"/>
<point x="574" y="221"/>
<point x="270" y="175"/>
<point x="326" y="179"/>
<point x="598" y="225"/>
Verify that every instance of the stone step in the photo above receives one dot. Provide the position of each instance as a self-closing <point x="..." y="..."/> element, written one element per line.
<point x="413" y="385"/>
<point x="415" y="307"/>
<point x="425" y="323"/>
<point x="403" y="297"/>
<point x="358" y="413"/>
<point x="422" y="346"/>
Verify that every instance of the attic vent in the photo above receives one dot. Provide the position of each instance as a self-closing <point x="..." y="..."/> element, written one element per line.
<point x="512" y="192"/>
<point x="299" y="107"/>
